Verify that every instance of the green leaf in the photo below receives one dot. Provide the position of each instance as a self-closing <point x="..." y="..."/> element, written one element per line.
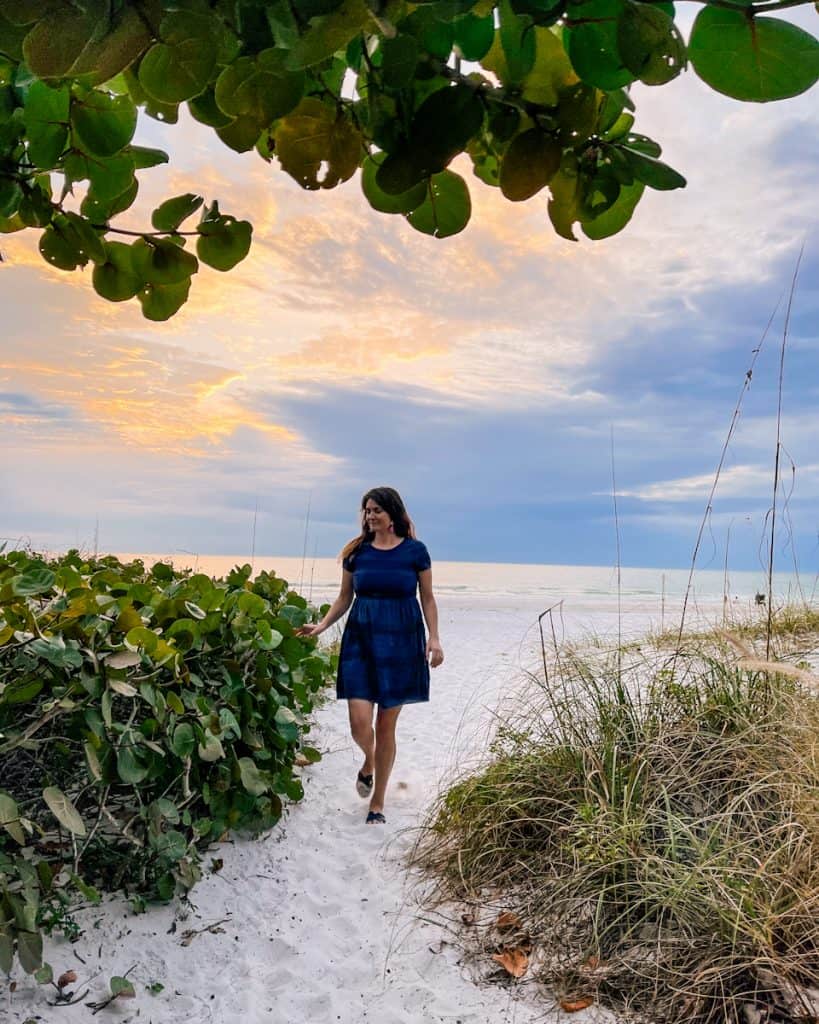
<point x="446" y="209"/>
<point x="564" y="205"/>
<point x="88" y="891"/>
<point x="170" y="214"/>
<point x="30" y="950"/>
<point x="311" y="754"/>
<point x="10" y="819"/>
<point x="43" y="975"/>
<point x="116" y="279"/>
<point x="241" y="135"/>
<point x="100" y="211"/>
<point x="160" y="301"/>
<point x="329" y="34"/>
<point x="260" y="89"/>
<point x="58" y="252"/>
<point x="160" y="261"/>
<point x="529" y="164"/>
<point x="444" y="124"/>
<point x="110" y="177"/>
<point x="211" y="748"/>
<point x="63" y="810"/>
<point x="399" y="58"/>
<point x="591" y="42"/>
<point x="53" y="45"/>
<point x="551" y="72"/>
<point x="183" y="741"/>
<point x="180" y="66"/>
<point x="171" y="844"/>
<point x="752" y="58"/>
<point x="35" y="579"/>
<point x="653" y="172"/>
<point x="111" y="51"/>
<point x="642" y="144"/>
<point x="649" y="43"/>
<point x="286" y="724"/>
<point x="70" y="43"/>
<point x="102" y="124"/>
<point x="106" y="707"/>
<point x="205" y="109"/>
<point x="130" y="768"/>
<point x="616" y="217"/>
<point x="6" y="943"/>
<point x="384" y="202"/>
<point x="224" y="243"/>
<point x="146" y="157"/>
<point x="93" y="761"/>
<point x="518" y="42"/>
<point x="317" y="136"/>
<point x="10" y="196"/>
<point x="141" y="636"/>
<point x="175" y="702"/>
<point x="252" y="779"/>
<point x="122" y="988"/>
<point x="474" y="36"/>
<point x="434" y="36"/>
<point x="46" y="116"/>
<point x="11" y="38"/>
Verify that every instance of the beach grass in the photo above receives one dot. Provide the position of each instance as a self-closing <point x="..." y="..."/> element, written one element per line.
<point x="648" y="822"/>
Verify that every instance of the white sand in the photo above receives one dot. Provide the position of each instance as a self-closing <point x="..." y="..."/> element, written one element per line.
<point x="318" y="922"/>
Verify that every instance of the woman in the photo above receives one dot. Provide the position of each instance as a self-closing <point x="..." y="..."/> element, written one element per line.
<point x="384" y="658"/>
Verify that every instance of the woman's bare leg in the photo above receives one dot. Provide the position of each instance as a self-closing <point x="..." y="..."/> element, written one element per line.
<point x="361" y="727"/>
<point x="384" y="754"/>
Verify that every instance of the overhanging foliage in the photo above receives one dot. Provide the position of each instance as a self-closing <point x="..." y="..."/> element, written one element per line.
<point x="535" y="92"/>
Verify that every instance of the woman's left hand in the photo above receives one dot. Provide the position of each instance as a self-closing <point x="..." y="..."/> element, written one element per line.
<point x="435" y="653"/>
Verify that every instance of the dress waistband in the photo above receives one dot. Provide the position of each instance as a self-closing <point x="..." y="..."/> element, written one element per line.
<point x="382" y="595"/>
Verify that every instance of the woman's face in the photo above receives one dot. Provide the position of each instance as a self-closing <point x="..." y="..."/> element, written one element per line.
<point x="375" y="517"/>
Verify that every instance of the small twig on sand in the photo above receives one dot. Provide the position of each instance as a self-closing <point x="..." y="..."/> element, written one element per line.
<point x="190" y="933"/>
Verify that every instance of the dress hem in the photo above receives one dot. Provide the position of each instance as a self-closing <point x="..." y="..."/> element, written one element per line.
<point x="388" y="704"/>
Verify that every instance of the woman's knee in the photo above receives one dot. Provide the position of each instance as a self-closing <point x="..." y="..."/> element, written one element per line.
<point x="385" y="723"/>
<point x="361" y="725"/>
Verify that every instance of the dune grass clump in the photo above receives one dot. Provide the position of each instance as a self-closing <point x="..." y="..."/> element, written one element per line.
<point x="654" y="827"/>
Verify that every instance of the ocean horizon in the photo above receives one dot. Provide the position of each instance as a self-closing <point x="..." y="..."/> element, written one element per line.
<point x="533" y="584"/>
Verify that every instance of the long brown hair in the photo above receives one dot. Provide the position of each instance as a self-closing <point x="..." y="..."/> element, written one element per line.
<point x="390" y="501"/>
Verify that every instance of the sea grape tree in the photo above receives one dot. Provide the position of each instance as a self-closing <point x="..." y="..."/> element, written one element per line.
<point x="536" y="93"/>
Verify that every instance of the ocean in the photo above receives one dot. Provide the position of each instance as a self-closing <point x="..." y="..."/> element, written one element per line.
<point x="581" y="591"/>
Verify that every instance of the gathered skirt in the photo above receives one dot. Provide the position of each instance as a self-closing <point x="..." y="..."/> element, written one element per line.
<point x="383" y="652"/>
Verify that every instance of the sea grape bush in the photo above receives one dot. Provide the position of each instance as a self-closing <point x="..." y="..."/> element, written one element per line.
<point x="534" y="92"/>
<point x="144" y="712"/>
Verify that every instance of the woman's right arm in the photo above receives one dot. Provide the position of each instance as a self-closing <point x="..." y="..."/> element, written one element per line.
<point x="337" y="609"/>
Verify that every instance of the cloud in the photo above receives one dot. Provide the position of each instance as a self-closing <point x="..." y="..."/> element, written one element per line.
<point x="735" y="481"/>
<point x="483" y="373"/>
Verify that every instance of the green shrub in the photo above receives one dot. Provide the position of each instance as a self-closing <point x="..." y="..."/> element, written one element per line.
<point x="143" y="714"/>
<point x="655" y="828"/>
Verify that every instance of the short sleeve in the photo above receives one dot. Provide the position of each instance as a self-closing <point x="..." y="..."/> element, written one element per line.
<point x="422" y="559"/>
<point x="347" y="562"/>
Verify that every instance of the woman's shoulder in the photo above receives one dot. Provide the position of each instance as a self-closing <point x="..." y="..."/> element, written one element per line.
<point x="419" y="553"/>
<point x="348" y="562"/>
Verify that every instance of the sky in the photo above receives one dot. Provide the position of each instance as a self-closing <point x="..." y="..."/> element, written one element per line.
<point x="495" y="378"/>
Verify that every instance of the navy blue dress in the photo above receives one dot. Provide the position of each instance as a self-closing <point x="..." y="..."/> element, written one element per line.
<point x="383" y="647"/>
